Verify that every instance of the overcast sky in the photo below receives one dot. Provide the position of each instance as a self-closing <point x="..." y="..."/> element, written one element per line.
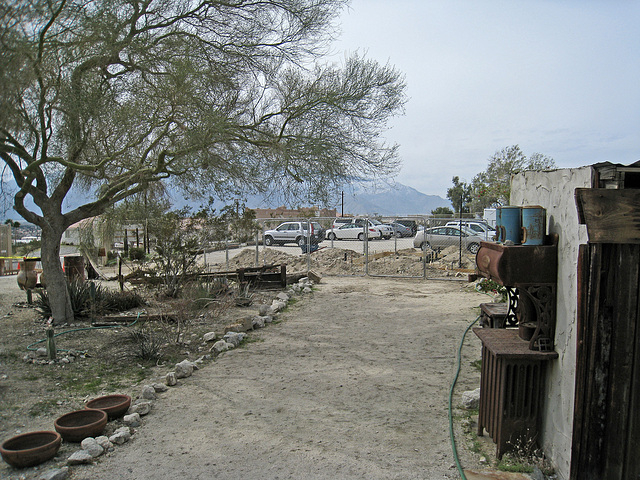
<point x="556" y="77"/>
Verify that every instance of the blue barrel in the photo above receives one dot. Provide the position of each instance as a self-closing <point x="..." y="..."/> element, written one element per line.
<point x="534" y="224"/>
<point x="511" y="220"/>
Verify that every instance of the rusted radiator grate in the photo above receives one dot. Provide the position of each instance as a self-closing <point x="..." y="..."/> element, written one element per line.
<point x="510" y="389"/>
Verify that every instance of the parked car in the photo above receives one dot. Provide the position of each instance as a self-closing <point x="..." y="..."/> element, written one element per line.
<point x="383" y="230"/>
<point x="294" y="232"/>
<point x="400" y="230"/>
<point x="438" y="238"/>
<point x="351" y="231"/>
<point x="412" y="224"/>
<point x="481" y="229"/>
<point x="339" y="221"/>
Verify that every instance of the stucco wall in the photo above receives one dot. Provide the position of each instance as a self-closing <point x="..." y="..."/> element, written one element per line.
<point x="554" y="190"/>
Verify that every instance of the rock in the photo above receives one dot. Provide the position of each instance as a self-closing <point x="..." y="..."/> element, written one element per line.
<point x="209" y="336"/>
<point x="471" y="399"/>
<point x="121" y="435"/>
<point x="537" y="474"/>
<point x="41" y="352"/>
<point x="148" y="392"/>
<point x="184" y="369"/>
<point x="258" y="322"/>
<point x="307" y="290"/>
<point x="55" y="474"/>
<point x="234" y="327"/>
<point x="220" y="346"/>
<point x="141" y="408"/>
<point x="170" y="379"/>
<point x="314" y="277"/>
<point x="234" y="338"/>
<point x="264" y="310"/>
<point x="81" y="457"/>
<point x="160" y="387"/>
<point x="267" y="318"/>
<point x="92" y="446"/>
<point x="132" y="420"/>
<point x="282" y="296"/>
<point x="240" y="326"/>
<point x="104" y="442"/>
<point x="277" y="305"/>
<point x="198" y="362"/>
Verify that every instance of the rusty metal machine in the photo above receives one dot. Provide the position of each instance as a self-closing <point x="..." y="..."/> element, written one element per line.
<point x="529" y="275"/>
<point x="515" y="350"/>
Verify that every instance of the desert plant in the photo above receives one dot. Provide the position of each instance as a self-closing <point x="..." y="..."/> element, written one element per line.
<point x="179" y="241"/>
<point x="88" y="298"/>
<point x="524" y="456"/>
<point x="116" y="301"/>
<point x="146" y="344"/>
<point x="79" y="295"/>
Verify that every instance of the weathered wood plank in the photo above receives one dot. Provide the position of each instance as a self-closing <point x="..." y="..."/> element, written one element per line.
<point x="632" y="465"/>
<point x="623" y="261"/>
<point x="582" y="359"/>
<point x="611" y="216"/>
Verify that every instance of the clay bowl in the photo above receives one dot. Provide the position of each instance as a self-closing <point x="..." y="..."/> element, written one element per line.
<point x="78" y="425"/>
<point x="30" y="449"/>
<point x="115" y="405"/>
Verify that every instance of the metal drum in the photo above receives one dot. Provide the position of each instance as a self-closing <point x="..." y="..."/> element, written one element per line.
<point x="511" y="224"/>
<point x="534" y="225"/>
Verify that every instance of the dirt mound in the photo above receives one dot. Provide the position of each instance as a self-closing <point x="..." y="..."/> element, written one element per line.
<point x="337" y="261"/>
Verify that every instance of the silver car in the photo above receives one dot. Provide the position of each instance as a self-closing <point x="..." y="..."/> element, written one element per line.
<point x="481" y="229"/>
<point x="437" y="238"/>
<point x="294" y="232"/>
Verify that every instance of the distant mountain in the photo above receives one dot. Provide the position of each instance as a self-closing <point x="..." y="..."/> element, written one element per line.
<point x="396" y="200"/>
<point x="391" y="200"/>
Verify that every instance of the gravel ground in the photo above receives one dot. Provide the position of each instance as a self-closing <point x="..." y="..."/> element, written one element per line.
<point x="352" y="383"/>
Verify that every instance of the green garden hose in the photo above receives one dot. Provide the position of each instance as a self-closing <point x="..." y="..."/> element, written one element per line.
<point x="453" y="384"/>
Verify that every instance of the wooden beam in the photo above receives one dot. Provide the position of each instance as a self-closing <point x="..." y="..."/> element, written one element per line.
<point x="611" y="216"/>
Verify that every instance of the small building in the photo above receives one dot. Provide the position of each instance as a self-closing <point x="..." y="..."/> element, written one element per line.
<point x="589" y="425"/>
<point x="284" y="212"/>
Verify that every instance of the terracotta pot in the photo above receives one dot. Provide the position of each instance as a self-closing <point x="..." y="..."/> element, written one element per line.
<point x="27" y="276"/>
<point x="115" y="405"/>
<point x="78" y="425"/>
<point x="30" y="449"/>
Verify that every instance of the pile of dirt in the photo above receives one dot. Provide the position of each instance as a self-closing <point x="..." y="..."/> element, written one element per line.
<point x="336" y="261"/>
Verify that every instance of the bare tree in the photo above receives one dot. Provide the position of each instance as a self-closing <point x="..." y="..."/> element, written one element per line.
<point x="219" y="96"/>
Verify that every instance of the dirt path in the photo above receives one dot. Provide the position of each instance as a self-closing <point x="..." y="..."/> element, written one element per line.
<point x="352" y="384"/>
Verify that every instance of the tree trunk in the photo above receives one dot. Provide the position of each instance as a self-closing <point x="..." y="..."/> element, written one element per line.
<point x="54" y="275"/>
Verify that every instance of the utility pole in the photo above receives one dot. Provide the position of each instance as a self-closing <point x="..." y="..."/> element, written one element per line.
<point x="460" y="231"/>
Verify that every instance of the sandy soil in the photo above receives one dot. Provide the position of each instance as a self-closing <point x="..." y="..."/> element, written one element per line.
<point x="353" y="383"/>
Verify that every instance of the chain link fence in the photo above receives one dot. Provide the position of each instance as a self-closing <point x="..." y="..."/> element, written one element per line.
<point x="402" y="246"/>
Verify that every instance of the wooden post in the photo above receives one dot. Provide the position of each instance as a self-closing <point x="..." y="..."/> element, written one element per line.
<point x="120" y="279"/>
